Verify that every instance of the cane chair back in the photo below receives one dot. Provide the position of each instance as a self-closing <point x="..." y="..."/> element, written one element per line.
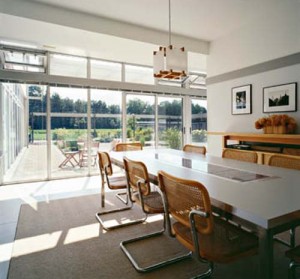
<point x="212" y="239"/>
<point x="132" y="146"/>
<point x="289" y="162"/>
<point x="194" y="149"/>
<point x="139" y="187"/>
<point x="240" y="155"/>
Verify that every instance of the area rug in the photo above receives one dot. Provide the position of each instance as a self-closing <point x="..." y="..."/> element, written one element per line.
<point x="63" y="239"/>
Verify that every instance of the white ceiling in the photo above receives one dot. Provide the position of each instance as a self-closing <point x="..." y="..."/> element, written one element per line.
<point x="93" y="27"/>
<point x="200" y="19"/>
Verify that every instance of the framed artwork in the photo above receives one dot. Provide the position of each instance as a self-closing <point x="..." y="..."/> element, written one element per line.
<point x="241" y="99"/>
<point x="280" y="98"/>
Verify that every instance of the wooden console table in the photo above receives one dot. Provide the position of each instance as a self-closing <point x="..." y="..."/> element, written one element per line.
<point x="264" y="144"/>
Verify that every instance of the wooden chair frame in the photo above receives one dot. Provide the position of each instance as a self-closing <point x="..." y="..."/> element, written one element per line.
<point x="194" y="149"/>
<point x="130" y="146"/>
<point x="206" y="226"/>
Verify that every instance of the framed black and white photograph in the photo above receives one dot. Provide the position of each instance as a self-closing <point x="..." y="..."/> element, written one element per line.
<point x="241" y="99"/>
<point x="280" y="98"/>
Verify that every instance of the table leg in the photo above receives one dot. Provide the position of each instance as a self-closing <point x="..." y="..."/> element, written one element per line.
<point x="266" y="252"/>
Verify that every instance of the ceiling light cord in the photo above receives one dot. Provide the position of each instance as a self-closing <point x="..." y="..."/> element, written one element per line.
<point x="170" y="43"/>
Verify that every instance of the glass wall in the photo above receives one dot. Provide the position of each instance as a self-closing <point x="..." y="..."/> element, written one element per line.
<point x="139" y="74"/>
<point x="23" y="127"/>
<point x="140" y="115"/>
<point x="199" y="121"/>
<point x="170" y="122"/>
<point x="68" y="132"/>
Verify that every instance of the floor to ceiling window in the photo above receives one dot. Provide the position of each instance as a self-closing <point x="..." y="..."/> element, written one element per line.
<point x="68" y="132"/>
<point x="170" y="122"/>
<point x="199" y="121"/>
<point x="140" y="117"/>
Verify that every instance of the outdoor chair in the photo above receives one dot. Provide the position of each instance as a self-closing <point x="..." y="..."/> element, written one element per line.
<point x="240" y="155"/>
<point x="84" y="156"/>
<point x="290" y="162"/>
<point x="195" y="149"/>
<point x="294" y="256"/>
<point x="113" y="183"/>
<point x="132" y="146"/>
<point x="140" y="192"/>
<point x="211" y="239"/>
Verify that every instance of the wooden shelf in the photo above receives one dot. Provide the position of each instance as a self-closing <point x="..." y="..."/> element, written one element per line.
<point x="271" y="143"/>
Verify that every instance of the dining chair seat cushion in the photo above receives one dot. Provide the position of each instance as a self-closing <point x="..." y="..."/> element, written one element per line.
<point x="152" y="202"/>
<point x="294" y="254"/>
<point x="117" y="182"/>
<point x="225" y="244"/>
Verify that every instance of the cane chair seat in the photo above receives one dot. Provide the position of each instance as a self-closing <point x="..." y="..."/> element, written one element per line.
<point x="211" y="239"/>
<point x="132" y="146"/>
<point x="152" y="202"/>
<point x="240" y="155"/>
<point x="194" y="149"/>
<point x="289" y="162"/>
<point x="227" y="243"/>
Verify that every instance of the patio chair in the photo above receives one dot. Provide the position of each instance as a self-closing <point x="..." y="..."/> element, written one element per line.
<point x="290" y="162"/>
<point x="294" y="256"/>
<point x="240" y="155"/>
<point x="113" y="183"/>
<point x="195" y="149"/>
<point x="211" y="239"/>
<point x="84" y="157"/>
<point x="132" y="146"/>
<point x="140" y="192"/>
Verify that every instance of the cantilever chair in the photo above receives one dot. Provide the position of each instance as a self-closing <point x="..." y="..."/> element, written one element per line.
<point x="139" y="189"/>
<point x="129" y="146"/>
<point x="285" y="161"/>
<point x="240" y="155"/>
<point x="194" y="149"/>
<point x="211" y="239"/>
<point x="290" y="162"/>
<point x="113" y="183"/>
<point x="294" y="256"/>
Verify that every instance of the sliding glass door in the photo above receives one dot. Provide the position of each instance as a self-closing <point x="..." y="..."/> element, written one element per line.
<point x="199" y="121"/>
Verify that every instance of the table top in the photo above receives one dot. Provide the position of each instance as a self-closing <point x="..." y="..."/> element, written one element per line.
<point x="263" y="195"/>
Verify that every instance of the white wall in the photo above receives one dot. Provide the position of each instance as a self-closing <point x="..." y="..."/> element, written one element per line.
<point x="272" y="35"/>
<point x="275" y="35"/>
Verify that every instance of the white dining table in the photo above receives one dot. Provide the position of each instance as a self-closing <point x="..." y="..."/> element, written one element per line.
<point x="262" y="198"/>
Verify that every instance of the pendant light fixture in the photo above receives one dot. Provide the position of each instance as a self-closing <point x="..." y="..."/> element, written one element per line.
<point x="170" y="62"/>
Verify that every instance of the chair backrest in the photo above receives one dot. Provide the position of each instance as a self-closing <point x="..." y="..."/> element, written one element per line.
<point x="240" y="155"/>
<point x="194" y="149"/>
<point x="182" y="196"/>
<point x="290" y="162"/>
<point x="137" y="173"/>
<point x="129" y="146"/>
<point x="105" y="163"/>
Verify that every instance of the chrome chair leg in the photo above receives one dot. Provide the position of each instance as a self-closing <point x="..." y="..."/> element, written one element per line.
<point x="153" y="266"/>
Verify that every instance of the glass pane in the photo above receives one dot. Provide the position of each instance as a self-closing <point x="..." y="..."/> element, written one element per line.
<point x="170" y="122"/>
<point x="24" y="154"/>
<point x="199" y="121"/>
<point x="139" y="74"/>
<point x="141" y="119"/>
<point x="22" y="61"/>
<point x="106" y="119"/>
<point x="68" y="131"/>
<point x="106" y="70"/>
<point x="65" y="65"/>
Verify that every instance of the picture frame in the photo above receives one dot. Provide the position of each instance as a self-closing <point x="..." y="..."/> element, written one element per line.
<point x="280" y="98"/>
<point x="241" y="99"/>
